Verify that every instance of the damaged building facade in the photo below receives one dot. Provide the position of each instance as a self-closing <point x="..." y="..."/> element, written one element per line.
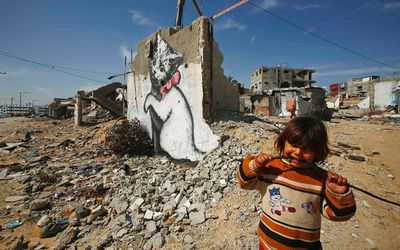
<point x="370" y="92"/>
<point x="308" y="101"/>
<point x="266" y="78"/>
<point x="177" y="87"/>
<point x="278" y="91"/>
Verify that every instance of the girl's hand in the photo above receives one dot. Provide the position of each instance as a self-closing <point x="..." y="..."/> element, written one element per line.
<point x="337" y="183"/>
<point x="262" y="159"/>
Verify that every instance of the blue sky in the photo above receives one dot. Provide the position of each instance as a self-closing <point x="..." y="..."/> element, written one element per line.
<point x="95" y="35"/>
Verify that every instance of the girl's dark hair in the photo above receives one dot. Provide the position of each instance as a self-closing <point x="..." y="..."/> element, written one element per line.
<point x="305" y="132"/>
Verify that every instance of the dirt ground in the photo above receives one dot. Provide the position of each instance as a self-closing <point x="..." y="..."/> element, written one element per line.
<point x="375" y="225"/>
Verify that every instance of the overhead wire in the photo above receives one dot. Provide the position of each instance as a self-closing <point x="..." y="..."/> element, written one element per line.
<point x="267" y="12"/>
<point x="55" y="67"/>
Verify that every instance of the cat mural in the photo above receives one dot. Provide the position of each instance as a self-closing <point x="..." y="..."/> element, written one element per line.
<point x="171" y="117"/>
<point x="279" y="204"/>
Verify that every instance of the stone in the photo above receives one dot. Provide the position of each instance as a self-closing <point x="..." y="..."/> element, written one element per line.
<point x="223" y="183"/>
<point x="80" y="210"/>
<point x="188" y="239"/>
<point x="16" y="198"/>
<point x="121" y="207"/>
<point x="137" y="223"/>
<point x="3" y="173"/>
<point x="158" y="216"/>
<point x="33" y="244"/>
<point x="136" y="204"/>
<point x="99" y="211"/>
<point x="151" y="227"/>
<point x="67" y="237"/>
<point x="39" y="204"/>
<point x="370" y="242"/>
<point x="122" y="232"/>
<point x="148" y="215"/>
<point x="43" y="221"/>
<point x="375" y="152"/>
<point x="42" y="158"/>
<point x="197" y="207"/>
<point x="158" y="240"/>
<point x="169" y="206"/>
<point x="197" y="217"/>
<point x="148" y="245"/>
<point x="365" y="204"/>
<point x="217" y="196"/>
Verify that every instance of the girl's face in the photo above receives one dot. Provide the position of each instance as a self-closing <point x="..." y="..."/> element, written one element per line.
<point x="298" y="156"/>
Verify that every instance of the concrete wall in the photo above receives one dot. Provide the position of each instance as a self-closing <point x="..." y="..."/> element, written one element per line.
<point x="383" y="95"/>
<point x="364" y="104"/>
<point x="173" y="91"/>
<point x="245" y="103"/>
<point x="225" y="96"/>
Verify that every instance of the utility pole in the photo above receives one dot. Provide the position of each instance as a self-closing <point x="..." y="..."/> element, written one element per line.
<point x="20" y="99"/>
<point x="179" y="13"/>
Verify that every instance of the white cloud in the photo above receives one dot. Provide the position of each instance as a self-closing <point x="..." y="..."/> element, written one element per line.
<point x="252" y="39"/>
<point x="391" y="5"/>
<point x="268" y="4"/>
<point x="229" y="23"/>
<point x="139" y="19"/>
<point x="355" y="71"/>
<point x="306" y="7"/>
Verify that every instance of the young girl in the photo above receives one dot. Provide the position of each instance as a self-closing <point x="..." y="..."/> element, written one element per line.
<point x="295" y="192"/>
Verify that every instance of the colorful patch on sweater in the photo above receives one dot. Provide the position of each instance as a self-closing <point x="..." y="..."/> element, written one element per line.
<point x="279" y="204"/>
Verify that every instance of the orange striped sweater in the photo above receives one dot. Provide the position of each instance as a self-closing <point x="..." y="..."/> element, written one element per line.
<point x="293" y="200"/>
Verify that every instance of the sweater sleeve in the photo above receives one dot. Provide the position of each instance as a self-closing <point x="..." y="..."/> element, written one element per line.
<point x="338" y="207"/>
<point x="247" y="173"/>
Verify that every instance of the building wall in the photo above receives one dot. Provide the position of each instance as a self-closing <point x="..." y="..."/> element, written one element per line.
<point x="3" y="110"/>
<point x="383" y="94"/>
<point x="361" y="86"/>
<point x="245" y="103"/>
<point x="225" y="96"/>
<point x="261" y="104"/>
<point x="173" y="91"/>
<point x="266" y="78"/>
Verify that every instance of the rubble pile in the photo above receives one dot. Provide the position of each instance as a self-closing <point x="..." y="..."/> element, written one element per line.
<point x="77" y="192"/>
<point x="70" y="189"/>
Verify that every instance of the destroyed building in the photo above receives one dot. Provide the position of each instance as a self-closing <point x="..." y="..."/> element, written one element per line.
<point x="102" y="99"/>
<point x="266" y="78"/>
<point x="370" y="92"/>
<point x="177" y="87"/>
<point x="362" y="86"/>
<point x="272" y="87"/>
<point x="308" y="101"/>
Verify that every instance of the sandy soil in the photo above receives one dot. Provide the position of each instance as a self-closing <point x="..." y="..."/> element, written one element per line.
<point x="234" y="221"/>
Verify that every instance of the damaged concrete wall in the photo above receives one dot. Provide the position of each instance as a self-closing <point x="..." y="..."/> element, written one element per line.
<point x="308" y="101"/>
<point x="383" y="94"/>
<point x="364" y="104"/>
<point x="170" y="90"/>
<point x="225" y="95"/>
